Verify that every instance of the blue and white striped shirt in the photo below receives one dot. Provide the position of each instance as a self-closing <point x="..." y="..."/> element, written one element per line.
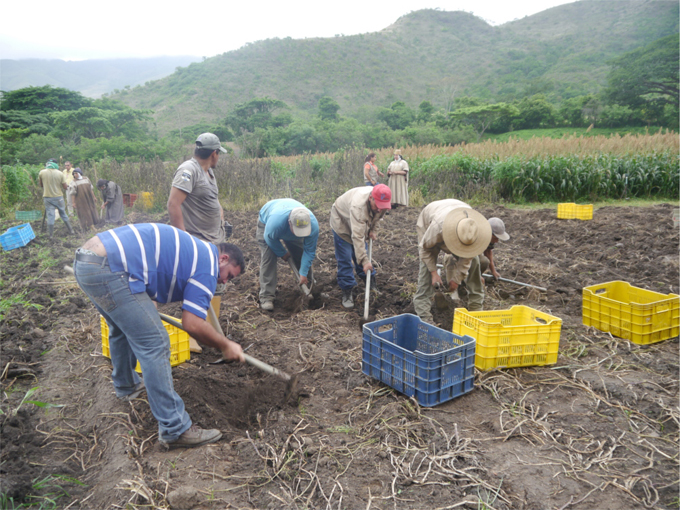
<point x="166" y="263"/>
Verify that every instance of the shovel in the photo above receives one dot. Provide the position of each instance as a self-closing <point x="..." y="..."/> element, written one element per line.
<point x="368" y="281"/>
<point x="305" y="290"/>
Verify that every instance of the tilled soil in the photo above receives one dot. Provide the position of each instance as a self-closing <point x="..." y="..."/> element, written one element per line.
<point x="599" y="429"/>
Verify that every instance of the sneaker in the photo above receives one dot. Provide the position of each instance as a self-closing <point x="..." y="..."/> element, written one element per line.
<point x="135" y="394"/>
<point x="347" y="300"/>
<point x="195" y="436"/>
<point x="267" y="305"/>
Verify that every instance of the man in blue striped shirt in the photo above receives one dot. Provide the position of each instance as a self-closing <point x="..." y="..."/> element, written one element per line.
<point x="123" y="271"/>
<point x="286" y="220"/>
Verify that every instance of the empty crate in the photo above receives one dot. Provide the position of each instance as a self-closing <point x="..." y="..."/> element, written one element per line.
<point x="418" y="359"/>
<point x="179" y="344"/>
<point x="570" y="211"/>
<point x="518" y="337"/>
<point x="639" y="315"/>
<point x="16" y="237"/>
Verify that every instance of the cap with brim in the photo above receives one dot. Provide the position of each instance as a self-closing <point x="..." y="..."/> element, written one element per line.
<point x="466" y="232"/>
<point x="498" y="229"/>
<point x="209" y="141"/>
<point x="382" y="195"/>
<point x="78" y="171"/>
<point x="300" y="222"/>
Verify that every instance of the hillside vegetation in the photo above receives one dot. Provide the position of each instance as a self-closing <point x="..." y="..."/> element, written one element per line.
<point x="426" y="55"/>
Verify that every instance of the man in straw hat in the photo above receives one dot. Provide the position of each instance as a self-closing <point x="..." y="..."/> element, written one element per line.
<point x="455" y="228"/>
<point x="354" y="217"/>
<point x="473" y="283"/>
<point x="289" y="221"/>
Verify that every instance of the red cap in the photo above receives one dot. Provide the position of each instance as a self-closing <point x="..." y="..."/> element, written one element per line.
<point x="382" y="195"/>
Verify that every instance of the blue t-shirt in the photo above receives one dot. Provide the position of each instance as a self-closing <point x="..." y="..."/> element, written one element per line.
<point x="166" y="263"/>
<point x="274" y="214"/>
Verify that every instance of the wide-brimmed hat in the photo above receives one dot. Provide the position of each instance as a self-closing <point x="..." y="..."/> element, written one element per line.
<point x="397" y="152"/>
<point x="300" y="222"/>
<point x="498" y="229"/>
<point x="466" y="232"/>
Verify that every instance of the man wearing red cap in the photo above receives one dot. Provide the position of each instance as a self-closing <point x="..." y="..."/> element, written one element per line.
<point x="354" y="218"/>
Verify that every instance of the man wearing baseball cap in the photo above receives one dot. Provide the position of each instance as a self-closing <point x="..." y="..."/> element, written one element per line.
<point x="459" y="231"/>
<point x="354" y="218"/>
<point x="289" y="221"/>
<point x="193" y="204"/>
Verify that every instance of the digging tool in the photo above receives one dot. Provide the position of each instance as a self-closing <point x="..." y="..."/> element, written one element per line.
<point x="42" y="225"/>
<point x="368" y="281"/>
<point x="306" y="290"/>
<point x="291" y="386"/>
<point x="490" y="277"/>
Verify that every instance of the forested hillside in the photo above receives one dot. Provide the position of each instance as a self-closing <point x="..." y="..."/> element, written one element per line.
<point x="431" y="55"/>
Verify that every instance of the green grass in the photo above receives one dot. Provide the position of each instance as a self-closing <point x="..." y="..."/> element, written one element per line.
<point x="527" y="134"/>
<point x="45" y="493"/>
<point x="16" y="299"/>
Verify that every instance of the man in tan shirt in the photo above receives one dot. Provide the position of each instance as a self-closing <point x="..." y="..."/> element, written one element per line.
<point x="53" y="183"/>
<point x="455" y="228"/>
<point x="354" y="217"/>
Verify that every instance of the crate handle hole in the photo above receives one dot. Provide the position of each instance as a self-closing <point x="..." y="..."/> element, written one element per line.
<point x="540" y="321"/>
<point x="386" y="327"/>
<point x="600" y="291"/>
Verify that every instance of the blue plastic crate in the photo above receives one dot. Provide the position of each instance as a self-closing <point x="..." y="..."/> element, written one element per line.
<point x="16" y="237"/>
<point x="418" y="359"/>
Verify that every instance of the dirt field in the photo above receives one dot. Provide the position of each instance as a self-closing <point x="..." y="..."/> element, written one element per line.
<point x="599" y="429"/>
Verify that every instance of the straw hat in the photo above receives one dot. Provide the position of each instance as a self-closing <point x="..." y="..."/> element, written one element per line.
<point x="466" y="232"/>
<point x="397" y="152"/>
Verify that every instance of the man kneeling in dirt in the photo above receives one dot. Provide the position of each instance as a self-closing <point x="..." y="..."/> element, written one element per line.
<point x="289" y="221"/>
<point x="453" y="227"/>
<point x="122" y="271"/>
<point x="354" y="217"/>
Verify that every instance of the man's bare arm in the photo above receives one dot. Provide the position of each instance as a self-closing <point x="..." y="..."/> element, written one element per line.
<point x="175" y="201"/>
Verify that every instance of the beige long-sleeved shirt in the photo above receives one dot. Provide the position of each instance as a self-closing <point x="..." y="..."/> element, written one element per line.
<point x="431" y="238"/>
<point x="352" y="219"/>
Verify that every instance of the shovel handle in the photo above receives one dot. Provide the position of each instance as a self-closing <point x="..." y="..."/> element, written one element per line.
<point x="368" y="281"/>
<point x="304" y="287"/>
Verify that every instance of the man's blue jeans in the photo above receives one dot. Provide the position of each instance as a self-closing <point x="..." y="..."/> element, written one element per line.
<point x="52" y="203"/>
<point x="135" y="333"/>
<point x="344" y="254"/>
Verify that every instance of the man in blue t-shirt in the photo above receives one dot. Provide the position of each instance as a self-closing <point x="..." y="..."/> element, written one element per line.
<point x="289" y="221"/>
<point x="123" y="271"/>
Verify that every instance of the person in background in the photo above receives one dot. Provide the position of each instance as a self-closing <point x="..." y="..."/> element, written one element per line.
<point x="193" y="205"/>
<point x="68" y="173"/>
<point x="475" y="288"/>
<point x="123" y="272"/>
<point x="397" y="174"/>
<point x="112" y="196"/>
<point x="289" y="221"/>
<point x="354" y="217"/>
<point x="459" y="231"/>
<point x="53" y="183"/>
<point x="371" y="171"/>
<point x="82" y="196"/>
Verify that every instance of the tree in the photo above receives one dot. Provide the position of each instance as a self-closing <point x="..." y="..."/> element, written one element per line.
<point x="397" y="116"/>
<point x="647" y="75"/>
<point x="481" y="117"/>
<point x="40" y="100"/>
<point x="425" y="111"/>
<point x="328" y="109"/>
<point x="534" y="112"/>
<point x="254" y="114"/>
<point x="90" y="122"/>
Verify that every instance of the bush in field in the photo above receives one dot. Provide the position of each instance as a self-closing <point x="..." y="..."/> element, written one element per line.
<point x="19" y="187"/>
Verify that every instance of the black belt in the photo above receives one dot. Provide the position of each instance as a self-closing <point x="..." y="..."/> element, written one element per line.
<point x="92" y="259"/>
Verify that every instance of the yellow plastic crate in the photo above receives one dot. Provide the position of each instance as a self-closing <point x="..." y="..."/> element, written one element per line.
<point x="639" y="315"/>
<point x="571" y="211"/>
<point x="179" y="344"/>
<point x="518" y="337"/>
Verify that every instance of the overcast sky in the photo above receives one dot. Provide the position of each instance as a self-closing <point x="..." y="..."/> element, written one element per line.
<point x="77" y="29"/>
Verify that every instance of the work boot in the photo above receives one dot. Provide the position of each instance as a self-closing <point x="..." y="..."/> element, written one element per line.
<point x="267" y="305"/>
<point x="347" y="300"/>
<point x="195" y="436"/>
<point x="50" y="231"/>
<point x="69" y="227"/>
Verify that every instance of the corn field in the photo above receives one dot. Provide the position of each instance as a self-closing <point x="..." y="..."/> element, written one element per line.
<point x="536" y="170"/>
